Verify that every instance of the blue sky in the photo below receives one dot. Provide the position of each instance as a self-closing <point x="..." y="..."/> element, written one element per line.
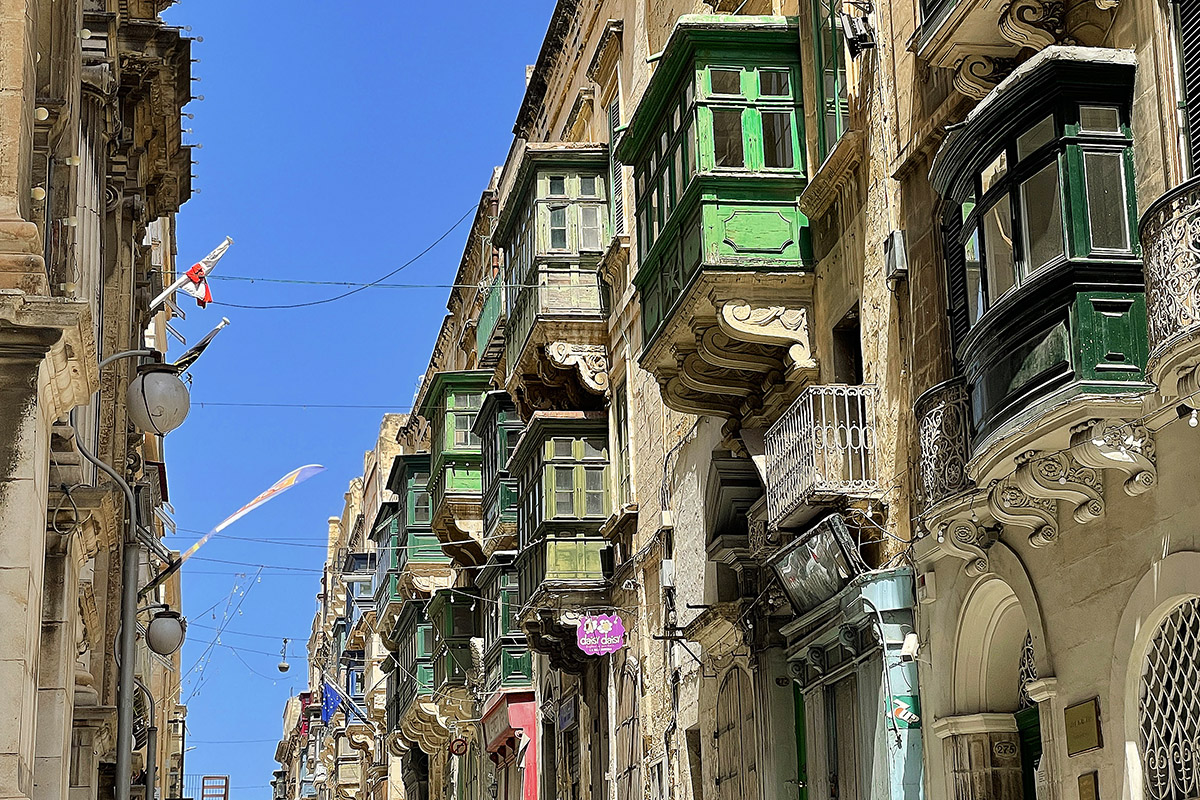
<point x="335" y="147"/>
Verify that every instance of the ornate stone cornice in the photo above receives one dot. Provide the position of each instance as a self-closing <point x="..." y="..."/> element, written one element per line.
<point x="977" y="74"/>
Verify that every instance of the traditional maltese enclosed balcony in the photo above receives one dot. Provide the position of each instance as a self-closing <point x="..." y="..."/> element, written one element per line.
<point x="554" y="225"/>
<point x="411" y="705"/>
<point x="821" y="454"/>
<point x="498" y="428"/>
<point x="1170" y="234"/>
<point x="724" y="252"/>
<point x="507" y="660"/>
<point x="454" y="614"/>
<point x="562" y="466"/>
<point x="450" y="405"/>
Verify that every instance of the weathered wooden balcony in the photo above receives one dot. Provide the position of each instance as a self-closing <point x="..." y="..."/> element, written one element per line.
<point x="1170" y="234"/>
<point x="821" y="452"/>
<point x="489" y="332"/>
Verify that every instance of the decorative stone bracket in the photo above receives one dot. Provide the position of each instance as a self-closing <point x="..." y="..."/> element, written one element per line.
<point x="590" y="359"/>
<point x="1028" y="499"/>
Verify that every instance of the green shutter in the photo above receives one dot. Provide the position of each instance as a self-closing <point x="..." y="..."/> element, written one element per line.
<point x="1189" y="47"/>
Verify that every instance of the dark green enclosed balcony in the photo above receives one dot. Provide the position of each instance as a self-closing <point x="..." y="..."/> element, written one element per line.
<point x="410" y="561"/>
<point x="507" y="659"/>
<point x="724" y="252"/>
<point x="454" y="614"/>
<point x="554" y="225"/>
<point x="563" y="469"/>
<point x="498" y="427"/>
<point x="450" y="404"/>
<point x="412" y="705"/>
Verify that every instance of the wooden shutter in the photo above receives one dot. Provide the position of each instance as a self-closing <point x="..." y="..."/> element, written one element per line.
<point x="956" y="275"/>
<point x="1189" y="45"/>
<point x="616" y="180"/>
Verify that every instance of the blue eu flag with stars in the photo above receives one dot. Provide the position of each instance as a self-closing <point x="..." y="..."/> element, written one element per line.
<point x="330" y="700"/>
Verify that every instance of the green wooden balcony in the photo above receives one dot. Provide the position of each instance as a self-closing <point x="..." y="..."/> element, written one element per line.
<point x="413" y="634"/>
<point x="489" y="332"/>
<point x="508" y="664"/>
<point x="561" y="564"/>
<point x="725" y="255"/>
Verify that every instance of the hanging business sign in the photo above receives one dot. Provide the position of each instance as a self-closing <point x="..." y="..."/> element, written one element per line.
<point x="600" y="634"/>
<point x="906" y="710"/>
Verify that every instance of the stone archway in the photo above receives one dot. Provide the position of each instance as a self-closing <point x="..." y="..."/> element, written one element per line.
<point x="987" y="655"/>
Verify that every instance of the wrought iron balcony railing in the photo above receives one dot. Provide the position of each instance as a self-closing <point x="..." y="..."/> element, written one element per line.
<point x="821" y="450"/>
<point x="1170" y="234"/>
<point x="944" y="432"/>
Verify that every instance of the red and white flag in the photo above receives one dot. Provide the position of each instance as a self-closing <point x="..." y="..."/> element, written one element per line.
<point x="195" y="280"/>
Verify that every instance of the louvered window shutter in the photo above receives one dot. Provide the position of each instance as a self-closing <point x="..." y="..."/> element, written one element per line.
<point x="1189" y="44"/>
<point x="615" y="177"/>
<point x="956" y="276"/>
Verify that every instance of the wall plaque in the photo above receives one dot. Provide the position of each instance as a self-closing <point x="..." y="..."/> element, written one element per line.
<point x="1089" y="787"/>
<point x="1083" y="727"/>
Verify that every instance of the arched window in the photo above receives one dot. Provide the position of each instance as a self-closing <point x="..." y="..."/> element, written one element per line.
<point x="735" y="740"/>
<point x="629" y="733"/>
<point x="1169" y="707"/>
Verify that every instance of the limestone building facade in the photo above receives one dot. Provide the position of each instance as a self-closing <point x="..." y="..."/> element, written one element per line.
<point x="843" y="353"/>
<point x="92" y="172"/>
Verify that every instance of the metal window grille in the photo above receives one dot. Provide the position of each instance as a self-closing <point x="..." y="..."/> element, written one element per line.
<point x="822" y="447"/>
<point x="1169" y="707"/>
<point x="1026" y="672"/>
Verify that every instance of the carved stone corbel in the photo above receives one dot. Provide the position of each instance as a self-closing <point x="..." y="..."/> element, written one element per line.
<point x="361" y="737"/>
<point x="1125" y="447"/>
<point x="1010" y="505"/>
<point x="1035" y="23"/>
<point x="1059" y="477"/>
<point x="590" y="359"/>
<point x="976" y="75"/>
<point x="774" y="325"/>
<point x="969" y="540"/>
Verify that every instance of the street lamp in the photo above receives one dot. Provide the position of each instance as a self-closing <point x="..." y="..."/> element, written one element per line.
<point x="157" y="400"/>
<point x="166" y="630"/>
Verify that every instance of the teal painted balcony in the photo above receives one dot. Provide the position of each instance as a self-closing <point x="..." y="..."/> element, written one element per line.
<point x="454" y="614"/>
<point x="413" y="634"/>
<point x="498" y="428"/>
<point x="724" y="252"/>
<point x="507" y="659"/>
<point x="554" y="225"/>
<point x="451" y="403"/>
<point x="489" y="331"/>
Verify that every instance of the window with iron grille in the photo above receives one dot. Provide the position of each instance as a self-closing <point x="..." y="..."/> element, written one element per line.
<point x="1169" y="707"/>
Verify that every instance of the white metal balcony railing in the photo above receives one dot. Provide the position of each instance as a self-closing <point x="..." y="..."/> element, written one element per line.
<point x="821" y="449"/>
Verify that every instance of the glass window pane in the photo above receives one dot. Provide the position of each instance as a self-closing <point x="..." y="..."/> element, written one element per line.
<point x="589" y="227"/>
<point x="1099" y="119"/>
<point x="587" y="186"/>
<point x="1041" y="216"/>
<point x="727" y="138"/>
<point x="1105" y="177"/>
<point x="564" y="491"/>
<point x="691" y="147"/>
<point x="998" y="249"/>
<point x="993" y="173"/>
<point x="678" y="169"/>
<point x="593" y="492"/>
<point x="593" y="447"/>
<point x="562" y="448"/>
<point x="774" y="83"/>
<point x="558" y="228"/>
<point x="558" y="186"/>
<point x="1035" y="137"/>
<point x="726" y="81"/>
<point x="975" y="298"/>
<point x="777" y="139"/>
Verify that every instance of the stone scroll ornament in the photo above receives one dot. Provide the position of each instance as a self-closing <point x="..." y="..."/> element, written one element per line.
<point x="600" y="634"/>
<point x="776" y="325"/>
<point x="590" y="359"/>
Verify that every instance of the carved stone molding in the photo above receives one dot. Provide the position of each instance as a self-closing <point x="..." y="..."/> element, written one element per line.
<point x="774" y="325"/>
<point x="1059" y="477"/>
<point x="1035" y="23"/>
<point x="1125" y="447"/>
<point x="977" y="74"/>
<point x="590" y="359"/>
<point x="1010" y="505"/>
<point x="969" y="540"/>
<point x="361" y="737"/>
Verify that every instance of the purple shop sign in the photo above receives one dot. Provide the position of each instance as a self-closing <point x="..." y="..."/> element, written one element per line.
<point x="600" y="634"/>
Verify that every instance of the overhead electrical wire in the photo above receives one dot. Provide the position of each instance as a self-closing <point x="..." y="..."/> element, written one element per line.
<point x="357" y="289"/>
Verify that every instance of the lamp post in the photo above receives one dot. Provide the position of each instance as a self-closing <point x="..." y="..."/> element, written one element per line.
<point x="165" y="406"/>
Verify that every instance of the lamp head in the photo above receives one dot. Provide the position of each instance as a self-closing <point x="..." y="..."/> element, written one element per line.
<point x="166" y="631"/>
<point x="158" y="402"/>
